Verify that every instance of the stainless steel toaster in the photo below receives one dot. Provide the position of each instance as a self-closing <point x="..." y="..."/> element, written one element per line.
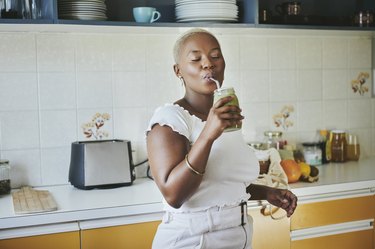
<point x="101" y="164"/>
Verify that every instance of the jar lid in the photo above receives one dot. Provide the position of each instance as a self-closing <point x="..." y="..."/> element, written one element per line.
<point x="4" y="161"/>
<point x="338" y="131"/>
<point x="273" y="133"/>
<point x="255" y="145"/>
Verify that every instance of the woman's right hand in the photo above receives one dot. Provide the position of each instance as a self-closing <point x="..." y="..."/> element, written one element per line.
<point x="220" y="117"/>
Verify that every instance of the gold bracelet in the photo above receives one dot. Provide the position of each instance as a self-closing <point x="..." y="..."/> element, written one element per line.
<point x="191" y="168"/>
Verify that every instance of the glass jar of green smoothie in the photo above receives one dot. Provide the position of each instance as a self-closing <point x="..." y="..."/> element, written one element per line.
<point x="224" y="92"/>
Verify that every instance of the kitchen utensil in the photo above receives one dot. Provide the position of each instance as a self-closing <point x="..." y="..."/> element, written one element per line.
<point x="289" y="9"/>
<point x="27" y="200"/>
<point x="101" y="164"/>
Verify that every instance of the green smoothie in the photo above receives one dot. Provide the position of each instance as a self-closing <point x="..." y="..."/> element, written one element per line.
<point x="224" y="92"/>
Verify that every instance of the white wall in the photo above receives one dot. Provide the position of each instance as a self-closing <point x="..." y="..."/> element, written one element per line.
<point x="52" y="83"/>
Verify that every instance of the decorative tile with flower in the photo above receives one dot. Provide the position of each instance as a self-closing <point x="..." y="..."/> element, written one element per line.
<point x="281" y="119"/>
<point x="93" y="129"/>
<point x="358" y="85"/>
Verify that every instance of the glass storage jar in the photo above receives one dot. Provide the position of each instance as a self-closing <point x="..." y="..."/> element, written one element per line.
<point x="273" y="139"/>
<point x="312" y="153"/>
<point x="4" y="177"/>
<point x="338" y="146"/>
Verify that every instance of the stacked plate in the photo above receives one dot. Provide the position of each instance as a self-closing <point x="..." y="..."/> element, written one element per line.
<point x="82" y="10"/>
<point x="206" y="11"/>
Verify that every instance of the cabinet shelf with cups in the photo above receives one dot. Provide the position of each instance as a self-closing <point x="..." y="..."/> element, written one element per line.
<point x="303" y="14"/>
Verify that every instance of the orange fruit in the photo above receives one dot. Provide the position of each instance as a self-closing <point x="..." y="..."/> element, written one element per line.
<point x="291" y="169"/>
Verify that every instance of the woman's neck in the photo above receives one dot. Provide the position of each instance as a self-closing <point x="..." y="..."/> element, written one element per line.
<point x="198" y="105"/>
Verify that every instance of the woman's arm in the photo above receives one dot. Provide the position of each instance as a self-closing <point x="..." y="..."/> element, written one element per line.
<point x="167" y="151"/>
<point x="279" y="197"/>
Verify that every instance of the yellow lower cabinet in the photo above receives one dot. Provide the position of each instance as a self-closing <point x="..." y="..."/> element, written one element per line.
<point x="350" y="240"/>
<point x="270" y="232"/>
<point x="132" y="236"/>
<point x="66" y="240"/>
<point x="334" y="222"/>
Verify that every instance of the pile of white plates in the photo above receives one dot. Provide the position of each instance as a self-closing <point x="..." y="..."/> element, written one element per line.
<point x="206" y="11"/>
<point x="82" y="10"/>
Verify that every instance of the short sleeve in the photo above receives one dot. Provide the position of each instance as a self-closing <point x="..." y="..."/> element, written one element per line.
<point x="174" y="116"/>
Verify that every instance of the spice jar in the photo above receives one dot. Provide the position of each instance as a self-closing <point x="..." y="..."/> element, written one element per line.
<point x="338" y="146"/>
<point x="4" y="177"/>
<point x="312" y="153"/>
<point x="273" y="139"/>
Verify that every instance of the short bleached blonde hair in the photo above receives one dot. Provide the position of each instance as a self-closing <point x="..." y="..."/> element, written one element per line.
<point x="184" y="37"/>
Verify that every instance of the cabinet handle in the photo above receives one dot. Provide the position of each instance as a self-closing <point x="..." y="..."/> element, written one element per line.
<point x="269" y="210"/>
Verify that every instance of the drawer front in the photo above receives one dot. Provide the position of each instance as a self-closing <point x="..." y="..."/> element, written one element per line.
<point x="131" y="236"/>
<point x="359" y="239"/>
<point x="66" y="240"/>
<point x="332" y="212"/>
<point x="277" y="230"/>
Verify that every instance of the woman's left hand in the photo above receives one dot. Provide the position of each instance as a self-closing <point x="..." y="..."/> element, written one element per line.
<point x="283" y="198"/>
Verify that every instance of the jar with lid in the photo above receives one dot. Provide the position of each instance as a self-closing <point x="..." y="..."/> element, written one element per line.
<point x="338" y="146"/>
<point x="225" y="92"/>
<point x="4" y="177"/>
<point x="312" y="153"/>
<point x="273" y="139"/>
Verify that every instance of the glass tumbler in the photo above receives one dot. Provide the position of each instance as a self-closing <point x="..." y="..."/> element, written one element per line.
<point x="352" y="148"/>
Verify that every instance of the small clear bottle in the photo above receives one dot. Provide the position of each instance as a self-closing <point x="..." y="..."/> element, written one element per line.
<point x="4" y="177"/>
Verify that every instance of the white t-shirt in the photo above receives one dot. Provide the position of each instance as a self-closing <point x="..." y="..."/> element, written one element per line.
<point x="231" y="165"/>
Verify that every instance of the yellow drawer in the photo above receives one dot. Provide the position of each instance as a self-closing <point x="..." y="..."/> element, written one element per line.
<point x="359" y="239"/>
<point x="56" y="241"/>
<point x="332" y="212"/>
<point x="131" y="236"/>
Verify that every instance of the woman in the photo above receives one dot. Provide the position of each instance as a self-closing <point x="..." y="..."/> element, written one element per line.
<point x="204" y="173"/>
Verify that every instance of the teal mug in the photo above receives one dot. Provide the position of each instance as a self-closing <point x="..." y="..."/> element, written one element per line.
<point x="146" y="14"/>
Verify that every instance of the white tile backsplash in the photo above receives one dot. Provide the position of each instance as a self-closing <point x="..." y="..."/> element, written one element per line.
<point x="309" y="85"/>
<point x="94" y="90"/>
<point x="309" y="53"/>
<point x="254" y="53"/>
<point x="359" y="56"/>
<point x="335" y="53"/>
<point x="283" y="85"/>
<point x="282" y="53"/>
<point x="18" y="91"/>
<point x="53" y="83"/>
<point x="58" y="128"/>
<point x="19" y="130"/>
<point x="24" y="167"/>
<point x="56" y="53"/>
<point x="335" y="84"/>
<point x="57" y="90"/>
<point x="18" y="53"/>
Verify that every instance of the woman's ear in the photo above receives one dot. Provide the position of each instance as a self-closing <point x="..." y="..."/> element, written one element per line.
<point x="176" y="70"/>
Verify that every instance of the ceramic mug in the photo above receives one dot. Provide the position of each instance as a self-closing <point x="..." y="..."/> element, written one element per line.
<point x="146" y="14"/>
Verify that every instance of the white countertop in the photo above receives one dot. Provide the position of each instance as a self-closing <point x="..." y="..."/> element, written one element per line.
<point x="142" y="201"/>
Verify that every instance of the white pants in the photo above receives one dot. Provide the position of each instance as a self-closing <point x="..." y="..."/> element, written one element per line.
<point x="214" y="228"/>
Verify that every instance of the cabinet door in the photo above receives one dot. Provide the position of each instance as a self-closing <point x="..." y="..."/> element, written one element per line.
<point x="269" y="233"/>
<point x="331" y="212"/>
<point x="131" y="236"/>
<point x="56" y="241"/>
<point x="359" y="239"/>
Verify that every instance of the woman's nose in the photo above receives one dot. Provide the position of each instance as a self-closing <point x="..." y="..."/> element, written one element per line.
<point x="207" y="63"/>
